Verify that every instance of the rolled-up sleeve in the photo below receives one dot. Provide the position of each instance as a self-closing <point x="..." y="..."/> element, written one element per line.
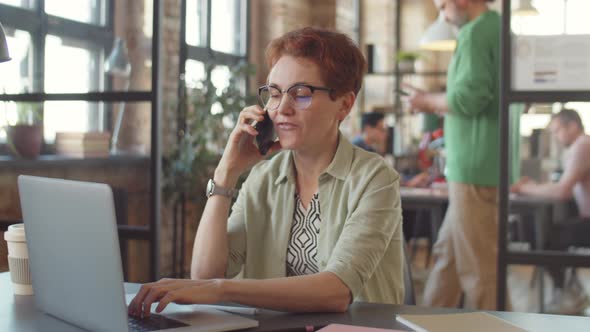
<point x="236" y="235"/>
<point x="367" y="233"/>
<point x="474" y="86"/>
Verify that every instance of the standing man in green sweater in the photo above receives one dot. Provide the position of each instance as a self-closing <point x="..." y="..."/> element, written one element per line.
<point x="467" y="247"/>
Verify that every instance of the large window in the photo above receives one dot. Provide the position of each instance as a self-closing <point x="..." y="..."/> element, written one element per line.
<point x="215" y="35"/>
<point x="556" y="17"/>
<point x="17" y="74"/>
<point x="19" y="3"/>
<point x="61" y="49"/>
<point x="228" y="19"/>
<point x="87" y="11"/>
<point x="59" y="70"/>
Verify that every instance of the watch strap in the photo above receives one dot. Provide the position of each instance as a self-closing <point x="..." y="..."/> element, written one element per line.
<point x="219" y="190"/>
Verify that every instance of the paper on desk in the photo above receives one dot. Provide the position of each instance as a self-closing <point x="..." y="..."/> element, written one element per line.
<point x="473" y="321"/>
<point x="350" y="328"/>
<point x="558" y="62"/>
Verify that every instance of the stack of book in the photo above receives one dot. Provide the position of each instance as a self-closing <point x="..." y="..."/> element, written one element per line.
<point x="83" y="145"/>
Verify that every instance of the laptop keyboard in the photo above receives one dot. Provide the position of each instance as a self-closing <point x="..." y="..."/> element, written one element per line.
<point x="152" y="323"/>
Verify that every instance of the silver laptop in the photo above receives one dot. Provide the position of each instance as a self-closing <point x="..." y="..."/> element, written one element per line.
<point x="76" y="263"/>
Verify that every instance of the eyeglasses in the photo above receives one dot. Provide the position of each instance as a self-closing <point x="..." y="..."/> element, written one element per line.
<point x="300" y="96"/>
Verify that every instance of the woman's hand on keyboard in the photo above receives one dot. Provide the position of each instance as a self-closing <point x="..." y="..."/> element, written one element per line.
<point x="181" y="291"/>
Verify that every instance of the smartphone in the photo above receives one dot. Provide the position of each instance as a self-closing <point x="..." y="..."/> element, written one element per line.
<point x="266" y="134"/>
<point x="402" y="92"/>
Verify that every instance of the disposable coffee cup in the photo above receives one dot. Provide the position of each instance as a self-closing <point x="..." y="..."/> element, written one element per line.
<point x="18" y="260"/>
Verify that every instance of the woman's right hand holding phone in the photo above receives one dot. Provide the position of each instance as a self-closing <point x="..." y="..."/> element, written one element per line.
<point x="240" y="152"/>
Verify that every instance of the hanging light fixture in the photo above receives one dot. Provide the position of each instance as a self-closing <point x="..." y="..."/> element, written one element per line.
<point x="4" y="55"/>
<point x="118" y="61"/>
<point x="525" y="8"/>
<point x="439" y="36"/>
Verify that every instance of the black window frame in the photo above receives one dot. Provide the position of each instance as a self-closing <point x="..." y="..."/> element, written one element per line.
<point x="204" y="53"/>
<point x="39" y="25"/>
<point x="16" y="17"/>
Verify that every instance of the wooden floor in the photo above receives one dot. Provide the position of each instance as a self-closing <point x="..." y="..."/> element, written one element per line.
<point x="523" y="293"/>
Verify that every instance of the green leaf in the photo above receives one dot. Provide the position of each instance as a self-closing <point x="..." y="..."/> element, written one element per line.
<point x="192" y="161"/>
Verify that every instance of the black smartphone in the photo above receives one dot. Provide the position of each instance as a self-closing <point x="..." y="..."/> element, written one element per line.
<point x="266" y="134"/>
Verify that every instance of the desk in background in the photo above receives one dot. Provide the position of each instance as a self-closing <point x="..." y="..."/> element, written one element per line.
<point x="435" y="201"/>
<point x="18" y="314"/>
<point x="542" y="210"/>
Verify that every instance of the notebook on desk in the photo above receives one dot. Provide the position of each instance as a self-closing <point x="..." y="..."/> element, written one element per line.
<point x="76" y="267"/>
<point x="468" y="322"/>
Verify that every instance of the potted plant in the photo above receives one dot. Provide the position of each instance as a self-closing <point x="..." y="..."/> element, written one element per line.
<point x="25" y="137"/>
<point x="207" y="117"/>
<point x="405" y="60"/>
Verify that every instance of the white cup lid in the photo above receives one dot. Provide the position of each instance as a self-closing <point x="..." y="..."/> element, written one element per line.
<point x="15" y="233"/>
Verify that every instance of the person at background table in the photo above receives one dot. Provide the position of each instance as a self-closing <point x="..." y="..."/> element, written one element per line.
<point x="317" y="226"/>
<point x="373" y="135"/>
<point x="373" y="138"/>
<point x="567" y="128"/>
<point x="466" y="250"/>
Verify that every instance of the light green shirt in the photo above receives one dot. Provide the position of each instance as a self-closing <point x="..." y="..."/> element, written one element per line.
<point x="360" y="238"/>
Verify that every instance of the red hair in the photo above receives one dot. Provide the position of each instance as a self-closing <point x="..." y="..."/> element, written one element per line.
<point x="341" y="63"/>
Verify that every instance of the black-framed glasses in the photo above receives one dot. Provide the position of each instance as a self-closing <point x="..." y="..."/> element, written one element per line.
<point x="300" y="96"/>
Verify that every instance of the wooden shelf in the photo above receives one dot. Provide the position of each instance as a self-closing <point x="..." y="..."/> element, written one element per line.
<point x="56" y="160"/>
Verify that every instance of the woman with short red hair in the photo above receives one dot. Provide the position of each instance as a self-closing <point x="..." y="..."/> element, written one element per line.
<point x="319" y="224"/>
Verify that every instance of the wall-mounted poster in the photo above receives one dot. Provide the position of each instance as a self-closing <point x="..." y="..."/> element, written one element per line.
<point x="560" y="62"/>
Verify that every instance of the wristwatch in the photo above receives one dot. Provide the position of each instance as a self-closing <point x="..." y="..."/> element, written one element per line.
<point x="213" y="189"/>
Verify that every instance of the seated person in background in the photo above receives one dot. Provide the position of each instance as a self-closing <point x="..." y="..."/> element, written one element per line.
<point x="317" y="226"/>
<point x="428" y="161"/>
<point x="420" y="180"/>
<point x="373" y="133"/>
<point x="566" y="126"/>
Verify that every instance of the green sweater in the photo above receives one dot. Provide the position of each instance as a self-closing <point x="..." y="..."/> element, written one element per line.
<point x="473" y="96"/>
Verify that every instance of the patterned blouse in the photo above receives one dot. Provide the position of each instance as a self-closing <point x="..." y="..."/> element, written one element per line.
<point x="303" y="249"/>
